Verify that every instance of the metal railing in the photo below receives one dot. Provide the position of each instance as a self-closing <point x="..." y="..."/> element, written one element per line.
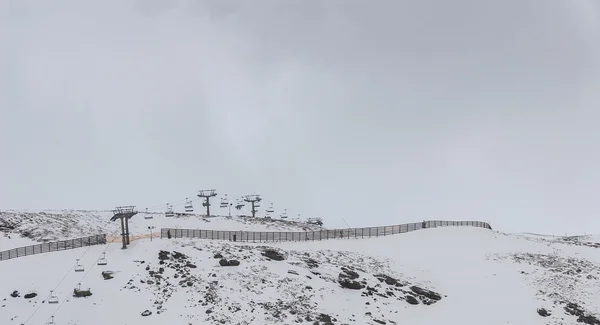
<point x="346" y="233"/>
<point x="53" y="246"/>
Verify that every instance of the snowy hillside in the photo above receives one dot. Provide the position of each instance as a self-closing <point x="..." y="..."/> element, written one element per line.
<point x="434" y="276"/>
<point x="26" y="228"/>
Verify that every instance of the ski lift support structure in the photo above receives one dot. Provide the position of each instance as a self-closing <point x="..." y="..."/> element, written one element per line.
<point x="253" y="199"/>
<point x="124" y="213"/>
<point x="206" y="195"/>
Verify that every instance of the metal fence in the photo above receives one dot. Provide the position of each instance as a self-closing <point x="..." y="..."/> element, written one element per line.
<point x="53" y="246"/>
<point x="346" y="233"/>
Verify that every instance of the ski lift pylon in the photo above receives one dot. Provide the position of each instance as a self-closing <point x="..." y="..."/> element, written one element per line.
<point x="79" y="267"/>
<point x="102" y="260"/>
<point x="53" y="299"/>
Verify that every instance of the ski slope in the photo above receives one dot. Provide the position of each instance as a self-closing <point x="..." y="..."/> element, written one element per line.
<point x="481" y="276"/>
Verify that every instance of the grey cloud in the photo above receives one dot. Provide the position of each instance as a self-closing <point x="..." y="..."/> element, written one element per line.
<point x="374" y="112"/>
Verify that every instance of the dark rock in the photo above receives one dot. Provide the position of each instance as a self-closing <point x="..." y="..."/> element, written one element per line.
<point x="162" y="255"/>
<point x="30" y="295"/>
<point x="225" y="262"/>
<point x="218" y="255"/>
<point x="412" y="300"/>
<point x="583" y="317"/>
<point x="350" y="284"/>
<point x="324" y="318"/>
<point x="543" y="312"/>
<point x="426" y="293"/>
<point x="178" y="255"/>
<point x="588" y="319"/>
<point x="81" y="293"/>
<point x="346" y="273"/>
<point x="378" y="321"/>
<point x="146" y="313"/>
<point x="574" y="309"/>
<point x="190" y="265"/>
<point x="312" y="264"/>
<point x="15" y="294"/>
<point x="107" y="275"/>
<point x="273" y="255"/>
<point x="387" y="279"/>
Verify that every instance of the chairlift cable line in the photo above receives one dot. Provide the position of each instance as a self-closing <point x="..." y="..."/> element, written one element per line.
<point x="61" y="281"/>
<point x="83" y="278"/>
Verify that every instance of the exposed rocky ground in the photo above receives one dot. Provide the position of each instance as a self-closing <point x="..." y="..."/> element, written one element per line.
<point x="273" y="286"/>
<point x="566" y="283"/>
<point x="580" y="241"/>
<point x="586" y="240"/>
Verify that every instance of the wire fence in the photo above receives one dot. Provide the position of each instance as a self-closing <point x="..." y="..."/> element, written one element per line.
<point x="346" y="233"/>
<point x="53" y="246"/>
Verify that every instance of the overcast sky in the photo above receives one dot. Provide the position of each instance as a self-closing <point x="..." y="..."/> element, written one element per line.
<point x="376" y="112"/>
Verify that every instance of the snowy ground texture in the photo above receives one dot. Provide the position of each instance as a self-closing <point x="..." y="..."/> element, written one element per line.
<point x="31" y="227"/>
<point x="441" y="275"/>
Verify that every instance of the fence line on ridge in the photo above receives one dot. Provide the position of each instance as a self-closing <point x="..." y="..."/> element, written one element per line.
<point x="342" y="233"/>
<point x="53" y="246"/>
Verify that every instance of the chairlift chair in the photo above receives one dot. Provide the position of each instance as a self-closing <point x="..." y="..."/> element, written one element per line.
<point x="188" y="206"/>
<point x="239" y="204"/>
<point x="147" y="215"/>
<point x="51" y="321"/>
<point x="79" y="267"/>
<point x="224" y="201"/>
<point x="102" y="260"/>
<point x="53" y="299"/>
<point x="169" y="212"/>
<point x="284" y="214"/>
<point x="270" y="209"/>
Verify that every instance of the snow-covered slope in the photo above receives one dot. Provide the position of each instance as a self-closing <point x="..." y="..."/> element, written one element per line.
<point x="29" y="227"/>
<point x="433" y="276"/>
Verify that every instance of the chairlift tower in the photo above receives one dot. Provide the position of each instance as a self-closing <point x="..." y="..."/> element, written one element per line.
<point x="206" y="195"/>
<point x="124" y="213"/>
<point x="253" y="199"/>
